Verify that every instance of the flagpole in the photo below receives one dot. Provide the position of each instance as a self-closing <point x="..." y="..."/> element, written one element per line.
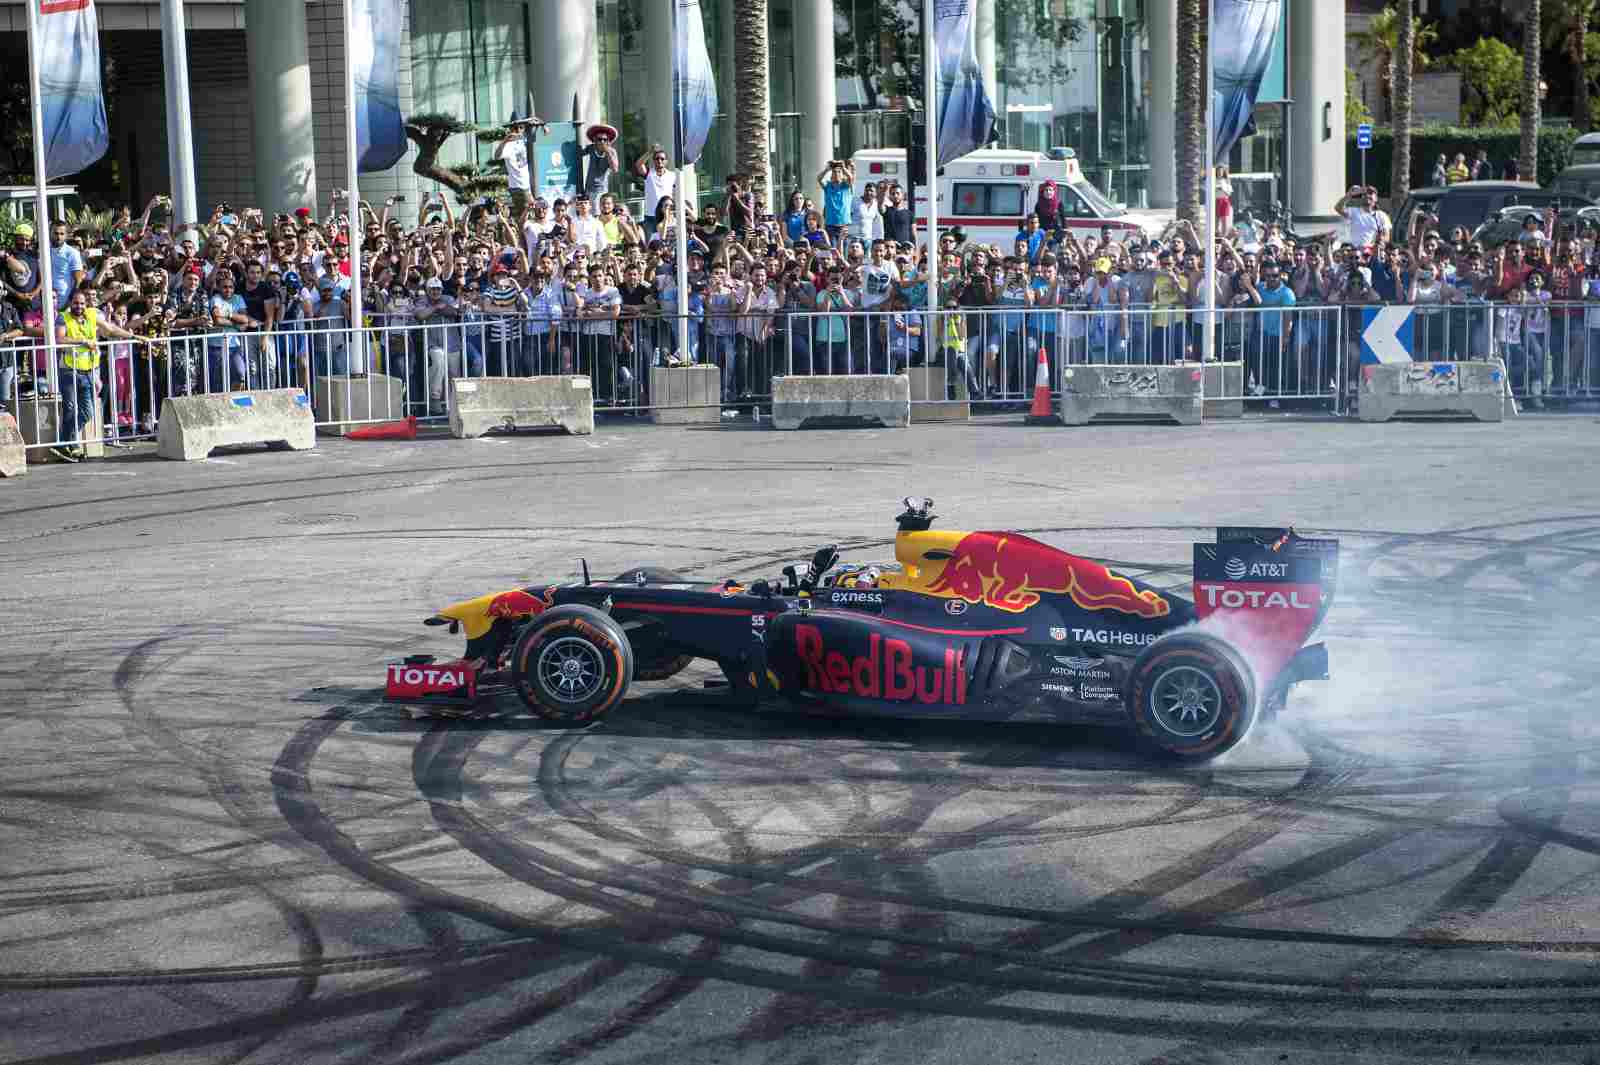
<point x="930" y="94"/>
<point x="353" y="193"/>
<point x="41" y="210"/>
<point x="180" y="131"/>
<point x="679" y="202"/>
<point x="1209" y="341"/>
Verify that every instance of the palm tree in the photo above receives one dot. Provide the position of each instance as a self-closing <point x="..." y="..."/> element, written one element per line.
<point x="1528" y="157"/>
<point x="753" y="107"/>
<point x="1379" y="42"/>
<point x="1400" y="103"/>
<point x="1566" y="25"/>
<point x="1190" y="112"/>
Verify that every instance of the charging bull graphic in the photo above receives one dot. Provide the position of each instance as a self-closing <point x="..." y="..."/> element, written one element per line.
<point x="517" y="605"/>
<point x="1008" y="571"/>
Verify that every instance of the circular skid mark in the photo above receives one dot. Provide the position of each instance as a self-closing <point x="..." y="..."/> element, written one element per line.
<point x="1387" y="870"/>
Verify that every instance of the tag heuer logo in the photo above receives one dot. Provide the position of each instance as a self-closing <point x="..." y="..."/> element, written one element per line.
<point x="1058" y="634"/>
<point x="955" y="607"/>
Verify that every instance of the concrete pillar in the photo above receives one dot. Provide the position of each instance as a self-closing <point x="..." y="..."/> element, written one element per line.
<point x="815" y="95"/>
<point x="280" y="106"/>
<point x="1162" y="21"/>
<point x="658" y="82"/>
<point x="567" y="38"/>
<point x="984" y="29"/>
<point x="1316" y="120"/>
<point x="658" y="73"/>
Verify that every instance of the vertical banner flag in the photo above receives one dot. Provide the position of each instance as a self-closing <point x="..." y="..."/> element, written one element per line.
<point x="966" y="114"/>
<point x="694" y="91"/>
<point x="75" y="129"/>
<point x="375" y="52"/>
<point x="1243" y="33"/>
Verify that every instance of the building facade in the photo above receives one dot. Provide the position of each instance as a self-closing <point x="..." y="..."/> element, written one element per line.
<point x="1097" y="76"/>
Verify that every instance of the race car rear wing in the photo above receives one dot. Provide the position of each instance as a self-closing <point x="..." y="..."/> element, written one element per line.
<point x="1266" y="589"/>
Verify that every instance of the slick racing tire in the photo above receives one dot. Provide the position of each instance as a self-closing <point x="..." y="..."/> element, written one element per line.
<point x="1191" y="695"/>
<point x="572" y="665"/>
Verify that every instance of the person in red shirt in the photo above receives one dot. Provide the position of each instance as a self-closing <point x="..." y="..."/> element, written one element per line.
<point x="1511" y="271"/>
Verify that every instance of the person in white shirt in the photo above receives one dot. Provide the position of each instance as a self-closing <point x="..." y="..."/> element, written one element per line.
<point x="756" y="327"/>
<point x="602" y="304"/>
<point x="583" y="227"/>
<point x="1367" y="221"/>
<point x="878" y="277"/>
<point x="537" y="226"/>
<point x="866" y="221"/>
<point x="658" y="182"/>
<point x="540" y="354"/>
<point x="513" y="152"/>
<point x="724" y="299"/>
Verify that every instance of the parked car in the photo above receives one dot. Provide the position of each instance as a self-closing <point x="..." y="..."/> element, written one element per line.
<point x="1582" y="180"/>
<point x="1472" y="203"/>
<point x="1506" y="224"/>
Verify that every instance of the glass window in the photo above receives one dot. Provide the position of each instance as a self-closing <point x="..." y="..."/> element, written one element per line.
<point x="1005" y="199"/>
<point x="976" y="199"/>
<point x="1099" y="206"/>
<point x="1072" y="205"/>
<point x="971" y="199"/>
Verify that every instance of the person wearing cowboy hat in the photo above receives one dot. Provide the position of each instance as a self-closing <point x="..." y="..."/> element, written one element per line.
<point x="599" y="159"/>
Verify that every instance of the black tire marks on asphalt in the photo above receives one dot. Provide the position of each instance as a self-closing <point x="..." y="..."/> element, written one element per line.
<point x="865" y="955"/>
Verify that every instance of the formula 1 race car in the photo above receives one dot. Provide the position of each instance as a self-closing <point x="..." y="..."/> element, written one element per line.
<point x="980" y="625"/>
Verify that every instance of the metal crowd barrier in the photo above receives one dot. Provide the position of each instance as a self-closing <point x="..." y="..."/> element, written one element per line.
<point x="1306" y="356"/>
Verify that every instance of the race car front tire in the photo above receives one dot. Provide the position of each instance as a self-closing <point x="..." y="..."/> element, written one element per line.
<point x="572" y="664"/>
<point x="1192" y="695"/>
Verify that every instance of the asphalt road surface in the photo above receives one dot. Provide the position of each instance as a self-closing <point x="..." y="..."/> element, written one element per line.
<point x="218" y="846"/>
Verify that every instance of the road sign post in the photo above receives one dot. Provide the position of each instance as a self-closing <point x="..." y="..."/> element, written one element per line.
<point x="1364" y="143"/>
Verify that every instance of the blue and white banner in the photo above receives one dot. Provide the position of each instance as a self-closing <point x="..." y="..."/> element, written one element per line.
<point x="70" y="102"/>
<point x="966" y="114"/>
<point x="694" y="90"/>
<point x="380" y="128"/>
<point x="1243" y="33"/>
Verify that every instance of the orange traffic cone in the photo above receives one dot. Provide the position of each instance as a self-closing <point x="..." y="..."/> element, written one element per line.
<point x="403" y="430"/>
<point x="1042" y="411"/>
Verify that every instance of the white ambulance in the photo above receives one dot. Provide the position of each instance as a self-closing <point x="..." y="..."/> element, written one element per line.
<point x="989" y="193"/>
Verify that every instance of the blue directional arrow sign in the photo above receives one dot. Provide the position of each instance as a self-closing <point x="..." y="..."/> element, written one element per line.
<point x="1385" y="335"/>
<point x="1364" y="136"/>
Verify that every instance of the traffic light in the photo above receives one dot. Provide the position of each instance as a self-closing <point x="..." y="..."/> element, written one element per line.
<point x="917" y="156"/>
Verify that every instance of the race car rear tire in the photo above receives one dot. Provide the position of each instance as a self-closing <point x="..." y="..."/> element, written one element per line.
<point x="572" y="664"/>
<point x="1191" y="695"/>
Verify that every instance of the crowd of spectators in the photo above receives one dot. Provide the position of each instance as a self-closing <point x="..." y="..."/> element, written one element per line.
<point x="526" y="284"/>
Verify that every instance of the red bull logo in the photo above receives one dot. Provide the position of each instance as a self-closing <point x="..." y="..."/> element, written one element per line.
<point x="1008" y="571"/>
<point x="886" y="671"/>
<point x="519" y="604"/>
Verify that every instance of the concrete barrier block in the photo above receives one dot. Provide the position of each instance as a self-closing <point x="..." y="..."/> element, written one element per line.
<point x="13" y="452"/>
<point x="686" y="395"/>
<point x="826" y="401"/>
<point x="482" y="404"/>
<point x="1099" y="394"/>
<point x="928" y="392"/>
<point x="1436" y="390"/>
<point x="1224" y="389"/>
<point x="194" y="426"/>
<point x="39" y="422"/>
<point x="342" y="401"/>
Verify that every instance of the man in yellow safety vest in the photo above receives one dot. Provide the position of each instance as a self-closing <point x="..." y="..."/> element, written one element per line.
<point x="79" y="331"/>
